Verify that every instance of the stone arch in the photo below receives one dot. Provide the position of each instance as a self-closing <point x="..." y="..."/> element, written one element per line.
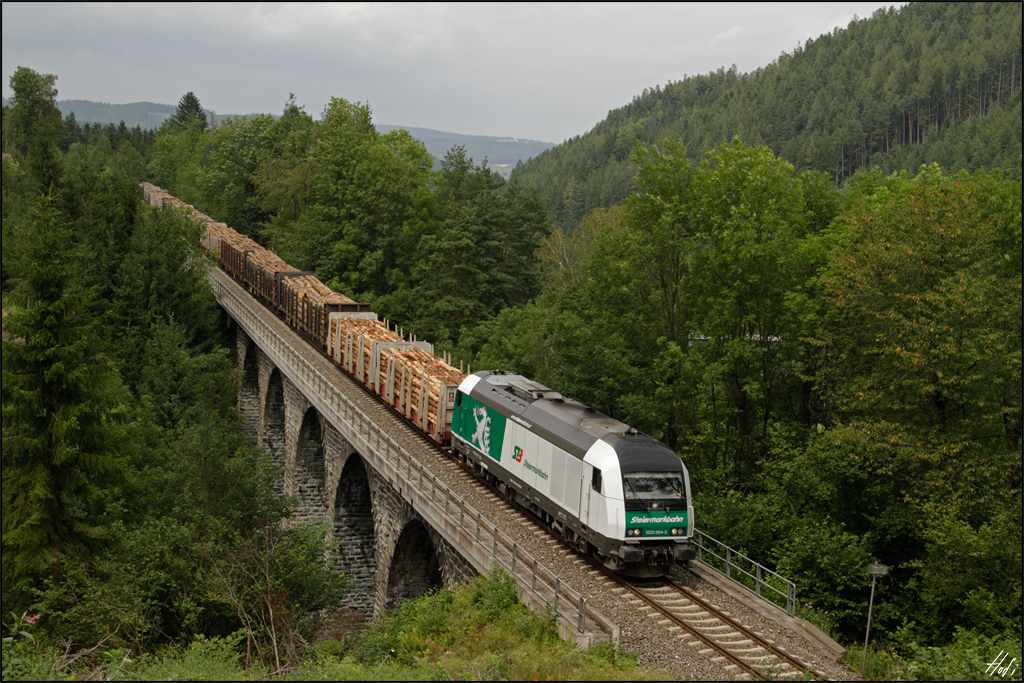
<point x="355" y="534"/>
<point x="249" y="391"/>
<point x="274" y="423"/>
<point x="415" y="568"/>
<point x="309" y="467"/>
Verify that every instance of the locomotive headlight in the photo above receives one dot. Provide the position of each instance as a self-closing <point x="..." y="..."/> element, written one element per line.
<point x="676" y="531"/>
<point x="634" y="532"/>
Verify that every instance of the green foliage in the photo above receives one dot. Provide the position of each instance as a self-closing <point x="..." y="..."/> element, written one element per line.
<point x="176" y="160"/>
<point x="349" y="202"/>
<point x="440" y="255"/>
<point x="881" y="664"/>
<point x="189" y="111"/>
<point x="754" y="525"/>
<point x="24" y="658"/>
<point x="688" y="290"/>
<point x="981" y="593"/>
<point x="236" y="149"/>
<point x="275" y="578"/>
<point x="562" y="255"/>
<point x="474" y="258"/>
<point x="204" y="659"/>
<point x="751" y="216"/>
<point x="969" y="657"/>
<point x="829" y="565"/>
<point x="63" y="409"/>
<point x="185" y="475"/>
<point x="912" y="277"/>
<point x="101" y="202"/>
<point x="35" y="126"/>
<point x="517" y="342"/>
<point x="131" y="146"/>
<point x="481" y="614"/>
<point x="143" y="589"/>
<point x="732" y="317"/>
<point x="161" y="277"/>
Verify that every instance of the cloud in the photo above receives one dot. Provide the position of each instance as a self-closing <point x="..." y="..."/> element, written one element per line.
<point x="537" y="71"/>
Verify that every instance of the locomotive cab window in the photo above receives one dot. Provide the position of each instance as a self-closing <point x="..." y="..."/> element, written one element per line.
<point x="595" y="480"/>
<point x="650" y="487"/>
<point x="458" y="399"/>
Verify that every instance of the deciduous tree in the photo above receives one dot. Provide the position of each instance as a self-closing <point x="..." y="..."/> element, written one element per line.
<point x="37" y="125"/>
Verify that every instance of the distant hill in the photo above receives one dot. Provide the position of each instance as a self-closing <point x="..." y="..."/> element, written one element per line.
<point x="147" y="115"/>
<point x="929" y="82"/>
<point x="144" y="114"/>
<point x="502" y="153"/>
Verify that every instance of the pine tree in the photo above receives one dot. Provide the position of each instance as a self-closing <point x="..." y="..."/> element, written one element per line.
<point x="62" y="409"/>
<point x="189" y="110"/>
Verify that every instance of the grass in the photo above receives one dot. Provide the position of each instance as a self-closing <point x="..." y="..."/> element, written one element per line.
<point x="882" y="665"/>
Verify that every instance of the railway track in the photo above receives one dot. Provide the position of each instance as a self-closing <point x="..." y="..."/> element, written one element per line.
<point x="697" y="623"/>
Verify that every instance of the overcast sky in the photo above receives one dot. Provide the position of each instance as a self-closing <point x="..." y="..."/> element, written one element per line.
<point x="543" y="72"/>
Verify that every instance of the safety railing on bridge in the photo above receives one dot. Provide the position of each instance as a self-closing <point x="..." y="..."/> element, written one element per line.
<point x="528" y="573"/>
<point x="756" y="578"/>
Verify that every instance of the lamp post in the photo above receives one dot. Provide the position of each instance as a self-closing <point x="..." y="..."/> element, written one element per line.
<point x="875" y="570"/>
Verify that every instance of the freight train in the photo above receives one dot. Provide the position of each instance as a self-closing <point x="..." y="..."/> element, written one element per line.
<point x="613" y="492"/>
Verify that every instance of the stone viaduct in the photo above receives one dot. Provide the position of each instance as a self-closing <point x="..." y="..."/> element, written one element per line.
<point x="399" y="530"/>
<point x="387" y="549"/>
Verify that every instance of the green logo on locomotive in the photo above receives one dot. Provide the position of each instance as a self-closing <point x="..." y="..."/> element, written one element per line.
<point x="660" y="523"/>
<point x="482" y="427"/>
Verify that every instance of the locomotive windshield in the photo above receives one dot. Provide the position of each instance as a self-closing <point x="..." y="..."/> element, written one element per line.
<point x="647" y="487"/>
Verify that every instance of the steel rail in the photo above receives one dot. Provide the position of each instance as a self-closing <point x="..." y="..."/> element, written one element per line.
<point x="763" y="669"/>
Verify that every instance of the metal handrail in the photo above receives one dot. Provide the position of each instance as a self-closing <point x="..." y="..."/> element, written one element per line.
<point x="758" y="576"/>
<point x="564" y="599"/>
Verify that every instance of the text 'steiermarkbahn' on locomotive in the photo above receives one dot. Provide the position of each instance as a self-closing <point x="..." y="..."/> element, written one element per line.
<point x="614" y="492"/>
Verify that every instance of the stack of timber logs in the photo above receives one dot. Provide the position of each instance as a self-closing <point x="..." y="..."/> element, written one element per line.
<point x="404" y="373"/>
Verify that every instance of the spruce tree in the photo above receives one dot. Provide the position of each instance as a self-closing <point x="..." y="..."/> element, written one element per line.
<point x="62" y="409"/>
<point x="189" y="110"/>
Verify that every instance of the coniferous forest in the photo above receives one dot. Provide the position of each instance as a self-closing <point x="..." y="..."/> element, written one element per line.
<point x="929" y="83"/>
<point x="806" y="280"/>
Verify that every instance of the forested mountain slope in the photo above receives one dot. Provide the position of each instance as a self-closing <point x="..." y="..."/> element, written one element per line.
<point x="930" y="82"/>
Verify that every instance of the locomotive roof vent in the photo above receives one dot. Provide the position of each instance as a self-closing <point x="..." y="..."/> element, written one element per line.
<point x="608" y="424"/>
<point x="531" y="391"/>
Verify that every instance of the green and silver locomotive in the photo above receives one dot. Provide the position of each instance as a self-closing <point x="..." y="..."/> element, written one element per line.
<point x="612" y="491"/>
